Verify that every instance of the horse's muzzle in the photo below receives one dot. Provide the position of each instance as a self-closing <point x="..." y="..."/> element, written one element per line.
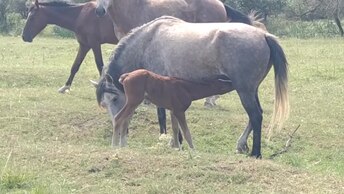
<point x="100" y="11"/>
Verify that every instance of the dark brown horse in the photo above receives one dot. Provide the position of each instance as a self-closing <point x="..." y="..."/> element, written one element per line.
<point x="90" y="30"/>
<point x="167" y="92"/>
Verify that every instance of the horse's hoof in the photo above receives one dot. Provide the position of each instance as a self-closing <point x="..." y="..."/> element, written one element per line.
<point x="242" y="149"/>
<point x="64" y="89"/>
<point x="208" y="105"/>
<point x="256" y="156"/>
<point x="173" y="146"/>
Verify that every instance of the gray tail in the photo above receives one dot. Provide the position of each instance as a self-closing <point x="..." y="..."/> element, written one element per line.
<point x="236" y="15"/>
<point x="279" y="61"/>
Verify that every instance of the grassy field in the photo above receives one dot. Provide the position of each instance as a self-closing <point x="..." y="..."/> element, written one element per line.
<point x="54" y="143"/>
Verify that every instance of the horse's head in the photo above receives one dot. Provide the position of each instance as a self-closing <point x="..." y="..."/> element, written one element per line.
<point x="102" y="6"/>
<point x="35" y="22"/>
<point x="109" y="97"/>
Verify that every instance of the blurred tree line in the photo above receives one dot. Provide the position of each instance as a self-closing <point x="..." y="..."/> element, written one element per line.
<point x="13" y="12"/>
<point x="301" y="10"/>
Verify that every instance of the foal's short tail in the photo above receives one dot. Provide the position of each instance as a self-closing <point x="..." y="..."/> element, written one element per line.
<point x="279" y="61"/>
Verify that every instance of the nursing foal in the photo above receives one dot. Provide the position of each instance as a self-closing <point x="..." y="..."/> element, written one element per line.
<point x="167" y="92"/>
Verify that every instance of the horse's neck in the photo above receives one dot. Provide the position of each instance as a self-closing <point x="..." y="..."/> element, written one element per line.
<point x="127" y="15"/>
<point x="65" y="17"/>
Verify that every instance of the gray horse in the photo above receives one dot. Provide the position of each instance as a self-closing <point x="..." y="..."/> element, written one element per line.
<point x="198" y="51"/>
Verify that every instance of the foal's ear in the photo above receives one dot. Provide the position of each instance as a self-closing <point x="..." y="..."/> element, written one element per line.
<point x="94" y="83"/>
<point x="36" y="3"/>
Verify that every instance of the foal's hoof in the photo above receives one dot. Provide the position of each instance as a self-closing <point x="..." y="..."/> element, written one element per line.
<point x="64" y="89"/>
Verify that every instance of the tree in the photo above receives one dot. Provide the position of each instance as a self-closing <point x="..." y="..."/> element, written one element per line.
<point x="20" y="7"/>
<point x="317" y="9"/>
<point x="4" y="9"/>
<point x="265" y="7"/>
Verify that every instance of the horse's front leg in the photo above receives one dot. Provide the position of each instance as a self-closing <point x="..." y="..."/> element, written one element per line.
<point x="97" y="52"/>
<point x="175" y="128"/>
<point x="75" y="68"/>
<point x="116" y="133"/>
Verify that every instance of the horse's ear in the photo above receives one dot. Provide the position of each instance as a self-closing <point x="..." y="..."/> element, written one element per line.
<point x="94" y="83"/>
<point x="36" y="3"/>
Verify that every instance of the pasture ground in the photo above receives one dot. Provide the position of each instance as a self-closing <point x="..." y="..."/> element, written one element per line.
<point x="54" y="143"/>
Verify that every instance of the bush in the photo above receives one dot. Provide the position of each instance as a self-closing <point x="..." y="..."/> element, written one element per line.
<point x="15" y="24"/>
<point x="61" y="32"/>
<point x="302" y="29"/>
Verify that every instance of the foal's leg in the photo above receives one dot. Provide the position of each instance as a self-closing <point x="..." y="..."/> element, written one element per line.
<point x="83" y="49"/>
<point x="122" y="120"/>
<point x="186" y="132"/>
<point x="175" y="128"/>
<point x="242" y="142"/>
<point x="251" y="104"/>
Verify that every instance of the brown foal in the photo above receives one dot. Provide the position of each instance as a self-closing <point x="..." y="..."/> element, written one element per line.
<point x="167" y="92"/>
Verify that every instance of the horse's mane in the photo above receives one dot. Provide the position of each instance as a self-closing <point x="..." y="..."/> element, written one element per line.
<point x="57" y="3"/>
<point x="114" y="68"/>
<point x="237" y="16"/>
<point x="132" y="35"/>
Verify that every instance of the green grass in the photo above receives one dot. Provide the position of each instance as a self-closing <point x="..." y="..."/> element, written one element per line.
<point x="53" y="143"/>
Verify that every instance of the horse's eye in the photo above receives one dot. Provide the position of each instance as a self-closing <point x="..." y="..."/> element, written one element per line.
<point x="114" y="98"/>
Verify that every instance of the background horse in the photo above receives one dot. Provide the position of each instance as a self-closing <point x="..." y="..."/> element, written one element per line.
<point x="90" y="30"/>
<point x="170" y="93"/>
<point x="198" y="51"/>
<point x="127" y="15"/>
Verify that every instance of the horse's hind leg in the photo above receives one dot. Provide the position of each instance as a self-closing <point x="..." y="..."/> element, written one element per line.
<point x="162" y="119"/>
<point x="251" y="104"/>
<point x="75" y="68"/>
<point x="242" y="142"/>
<point x="186" y="132"/>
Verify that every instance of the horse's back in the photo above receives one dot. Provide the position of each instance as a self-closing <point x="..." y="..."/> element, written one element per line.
<point x="203" y="46"/>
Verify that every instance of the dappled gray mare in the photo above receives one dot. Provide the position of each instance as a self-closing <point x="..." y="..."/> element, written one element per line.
<point x="197" y="51"/>
<point x="171" y="93"/>
<point x="90" y="30"/>
<point x="129" y="14"/>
